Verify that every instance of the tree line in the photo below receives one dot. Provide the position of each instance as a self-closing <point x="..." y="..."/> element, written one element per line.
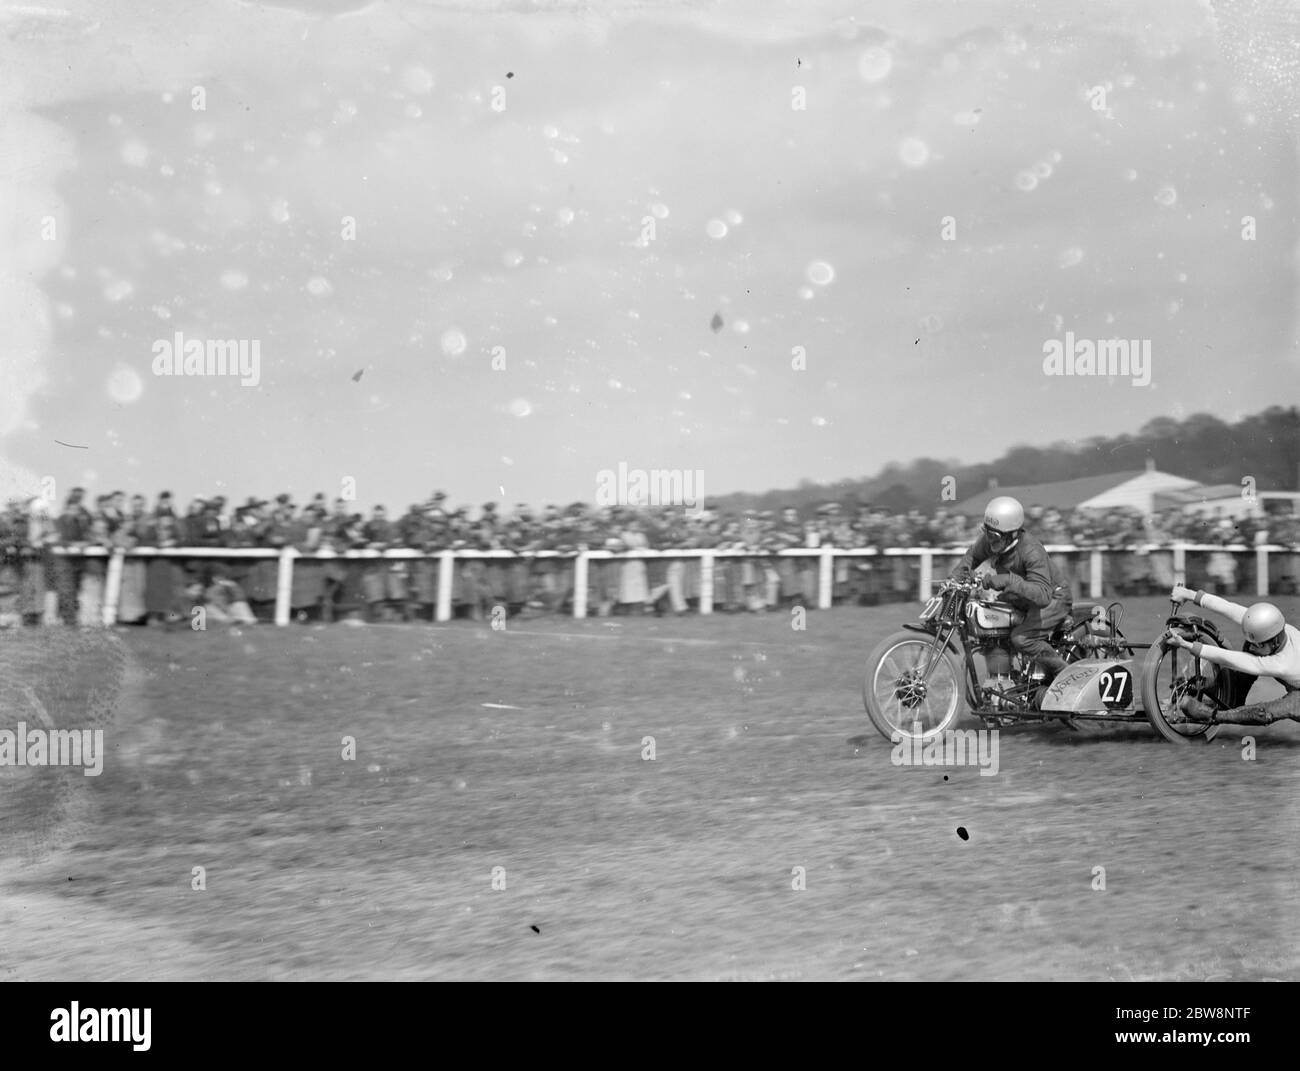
<point x="1265" y="446"/>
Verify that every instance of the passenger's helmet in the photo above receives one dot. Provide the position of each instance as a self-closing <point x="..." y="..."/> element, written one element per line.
<point x="1265" y="627"/>
<point x="1004" y="517"/>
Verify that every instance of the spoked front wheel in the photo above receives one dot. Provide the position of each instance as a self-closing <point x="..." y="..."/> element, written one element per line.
<point x="912" y="688"/>
<point x="1170" y="674"/>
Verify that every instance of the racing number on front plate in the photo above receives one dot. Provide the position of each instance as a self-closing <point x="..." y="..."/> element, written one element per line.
<point x="1116" y="686"/>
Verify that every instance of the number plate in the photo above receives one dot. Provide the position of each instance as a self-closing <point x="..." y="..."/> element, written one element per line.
<point x="1115" y="683"/>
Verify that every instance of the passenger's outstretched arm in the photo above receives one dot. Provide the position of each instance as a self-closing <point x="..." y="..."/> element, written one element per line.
<point x="1255" y="665"/>
<point x="1231" y="610"/>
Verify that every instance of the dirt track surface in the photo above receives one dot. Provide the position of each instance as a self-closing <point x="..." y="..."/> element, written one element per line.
<point x="224" y="752"/>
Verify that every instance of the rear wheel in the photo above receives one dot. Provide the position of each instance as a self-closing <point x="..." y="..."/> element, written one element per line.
<point x="1168" y="675"/>
<point x="912" y="688"/>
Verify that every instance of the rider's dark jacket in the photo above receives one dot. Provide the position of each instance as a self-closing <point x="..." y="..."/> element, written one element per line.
<point x="1033" y="579"/>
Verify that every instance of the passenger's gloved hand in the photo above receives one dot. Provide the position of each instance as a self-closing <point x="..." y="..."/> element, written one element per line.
<point x="996" y="581"/>
<point x="1181" y="594"/>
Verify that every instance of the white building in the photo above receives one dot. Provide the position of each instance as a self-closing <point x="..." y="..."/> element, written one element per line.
<point x="1137" y="489"/>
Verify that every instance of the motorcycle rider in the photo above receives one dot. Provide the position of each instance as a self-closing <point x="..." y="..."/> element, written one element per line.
<point x="1272" y="649"/>
<point x="1026" y="577"/>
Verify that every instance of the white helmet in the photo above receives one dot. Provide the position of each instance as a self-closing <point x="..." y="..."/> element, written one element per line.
<point x="1003" y="519"/>
<point x="1004" y="514"/>
<point x="1264" y="626"/>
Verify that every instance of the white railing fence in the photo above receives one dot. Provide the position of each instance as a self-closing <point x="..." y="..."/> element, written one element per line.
<point x="926" y="575"/>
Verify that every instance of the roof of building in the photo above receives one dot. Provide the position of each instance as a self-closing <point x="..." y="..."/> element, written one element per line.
<point x="1201" y="492"/>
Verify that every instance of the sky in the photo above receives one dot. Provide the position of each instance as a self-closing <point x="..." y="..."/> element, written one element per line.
<point x="499" y="248"/>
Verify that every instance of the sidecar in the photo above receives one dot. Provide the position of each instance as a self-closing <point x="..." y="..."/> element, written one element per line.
<point x="1096" y="688"/>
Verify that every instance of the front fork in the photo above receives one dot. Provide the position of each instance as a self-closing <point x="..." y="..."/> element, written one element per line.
<point x="942" y="638"/>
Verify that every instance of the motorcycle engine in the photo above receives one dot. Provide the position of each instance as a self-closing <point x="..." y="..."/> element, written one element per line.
<point x="997" y="658"/>
<point x="1000" y="683"/>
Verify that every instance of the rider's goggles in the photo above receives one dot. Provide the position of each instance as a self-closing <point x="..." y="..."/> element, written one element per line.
<point x="998" y="541"/>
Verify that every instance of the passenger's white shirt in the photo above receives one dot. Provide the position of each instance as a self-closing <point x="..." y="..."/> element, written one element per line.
<point x="1283" y="666"/>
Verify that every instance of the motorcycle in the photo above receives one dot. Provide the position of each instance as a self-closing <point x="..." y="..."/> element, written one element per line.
<point x="921" y="680"/>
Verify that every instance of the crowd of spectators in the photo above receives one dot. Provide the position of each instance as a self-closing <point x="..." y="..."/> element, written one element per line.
<point x="244" y="590"/>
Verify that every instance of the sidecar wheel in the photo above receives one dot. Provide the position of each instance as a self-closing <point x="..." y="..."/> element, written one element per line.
<point x="1169" y="673"/>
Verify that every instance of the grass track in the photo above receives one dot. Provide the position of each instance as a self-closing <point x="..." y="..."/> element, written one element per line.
<point x="224" y="752"/>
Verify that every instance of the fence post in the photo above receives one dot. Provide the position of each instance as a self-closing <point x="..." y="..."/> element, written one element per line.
<point x="706" y="582"/>
<point x="284" y="585"/>
<point x="927" y="574"/>
<point x="113" y="586"/>
<point x="1094" y="575"/>
<point x="580" y="585"/>
<point x="826" y="578"/>
<point x="446" y="569"/>
<point x="1180" y="564"/>
<point x="1261" y="570"/>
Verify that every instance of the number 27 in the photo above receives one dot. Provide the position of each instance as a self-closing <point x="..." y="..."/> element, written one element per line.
<point x="1118" y="679"/>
